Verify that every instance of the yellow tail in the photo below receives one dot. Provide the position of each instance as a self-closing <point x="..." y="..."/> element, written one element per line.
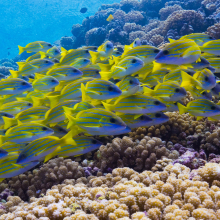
<point x="105" y="75"/>
<point x="54" y="100"/>
<point x="8" y="122"/>
<point x="108" y="107"/>
<point x="94" y="55"/>
<point x="21" y="49"/>
<point x="182" y="108"/>
<point x="14" y="73"/>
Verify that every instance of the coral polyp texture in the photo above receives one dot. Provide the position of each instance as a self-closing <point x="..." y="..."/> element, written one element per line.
<point x="130" y="126"/>
<point x="174" y="193"/>
<point x="181" y="17"/>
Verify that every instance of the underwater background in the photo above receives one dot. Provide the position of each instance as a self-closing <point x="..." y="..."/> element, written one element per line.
<point x="110" y="110"/>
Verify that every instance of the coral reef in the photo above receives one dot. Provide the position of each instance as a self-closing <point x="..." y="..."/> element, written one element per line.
<point x="139" y="155"/>
<point x="159" y="20"/>
<point x="174" y="193"/>
<point x="35" y="183"/>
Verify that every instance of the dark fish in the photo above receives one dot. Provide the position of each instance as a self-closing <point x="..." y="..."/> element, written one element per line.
<point x="83" y="10"/>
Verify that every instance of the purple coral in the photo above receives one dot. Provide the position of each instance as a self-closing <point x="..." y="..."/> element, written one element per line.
<point x="192" y="159"/>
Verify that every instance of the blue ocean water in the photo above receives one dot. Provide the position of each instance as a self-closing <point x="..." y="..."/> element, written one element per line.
<point x="24" y="21"/>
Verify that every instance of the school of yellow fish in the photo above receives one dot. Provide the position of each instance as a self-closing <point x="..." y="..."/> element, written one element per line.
<point x="57" y="95"/>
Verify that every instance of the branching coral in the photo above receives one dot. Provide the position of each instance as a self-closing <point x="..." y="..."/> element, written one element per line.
<point x="139" y="155"/>
<point x="165" y="12"/>
<point x="36" y="183"/>
<point x="126" y="194"/>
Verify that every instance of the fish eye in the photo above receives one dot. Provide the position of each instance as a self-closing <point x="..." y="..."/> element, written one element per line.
<point x="97" y="72"/>
<point x="23" y="83"/>
<point x="5" y="114"/>
<point x="85" y="60"/>
<point x="110" y="88"/>
<point x="156" y="51"/>
<point x="206" y="79"/>
<point x="175" y="103"/>
<point x="112" y="120"/>
<point x="134" y="61"/>
<point x="177" y="90"/>
<point x="157" y="115"/>
<point x="131" y="82"/>
<point x="204" y="93"/>
<point x="49" y="45"/>
<point x="29" y="104"/>
<point x="213" y="107"/>
<point x="53" y="80"/>
<point x="156" y="102"/>
<point x="218" y="82"/>
<point x="166" y="52"/>
<point x="213" y="89"/>
<point x="87" y="51"/>
<point x="46" y="61"/>
<point x="117" y="52"/>
<point x="44" y="128"/>
<point x="94" y="141"/>
<point x="210" y="37"/>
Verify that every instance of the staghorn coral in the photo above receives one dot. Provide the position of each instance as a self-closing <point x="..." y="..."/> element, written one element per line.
<point x="125" y="194"/>
<point x="139" y="155"/>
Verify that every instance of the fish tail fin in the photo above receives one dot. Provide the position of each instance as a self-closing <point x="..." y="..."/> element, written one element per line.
<point x="21" y="49"/>
<point x="148" y="91"/>
<point x="8" y="122"/>
<point x="54" y="100"/>
<point x="2" y="100"/>
<point x="187" y="79"/>
<point x="94" y="56"/>
<point x="51" y="155"/>
<point x="85" y="97"/>
<point x="105" y="67"/>
<point x="68" y="110"/>
<point x="43" y="54"/>
<point x="105" y="75"/>
<point x="2" y="139"/>
<point x="157" y="66"/>
<point x="199" y="118"/>
<point x="72" y="121"/>
<point x="14" y="73"/>
<point x="108" y="107"/>
<point x="37" y="101"/>
<point x="67" y="139"/>
<point x="182" y="108"/>
<point x="1" y="179"/>
<point x="211" y="119"/>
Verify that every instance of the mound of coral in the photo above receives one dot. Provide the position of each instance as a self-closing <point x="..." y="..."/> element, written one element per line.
<point x="174" y="193"/>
